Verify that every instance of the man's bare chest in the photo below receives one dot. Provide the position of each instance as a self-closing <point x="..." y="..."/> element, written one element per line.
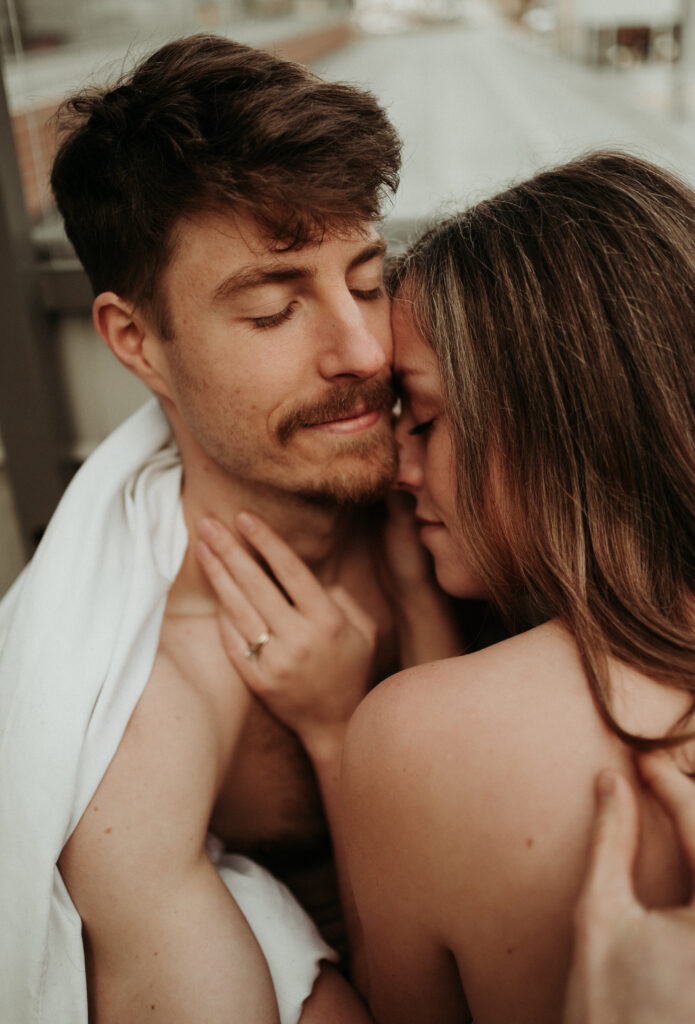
<point x="264" y="789"/>
<point x="266" y="798"/>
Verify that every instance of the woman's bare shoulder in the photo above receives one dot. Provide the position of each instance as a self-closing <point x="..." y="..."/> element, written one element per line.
<point x="525" y="695"/>
<point x="496" y="750"/>
<point x="528" y="678"/>
<point x="481" y="768"/>
<point x="493" y="755"/>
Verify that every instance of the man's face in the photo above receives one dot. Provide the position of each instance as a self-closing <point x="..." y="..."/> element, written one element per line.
<point x="280" y="362"/>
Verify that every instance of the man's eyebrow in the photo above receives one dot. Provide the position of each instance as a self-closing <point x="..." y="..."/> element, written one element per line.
<point x="376" y="248"/>
<point x="256" y="277"/>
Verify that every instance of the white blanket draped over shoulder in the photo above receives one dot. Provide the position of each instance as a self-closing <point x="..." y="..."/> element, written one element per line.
<point x="78" y="636"/>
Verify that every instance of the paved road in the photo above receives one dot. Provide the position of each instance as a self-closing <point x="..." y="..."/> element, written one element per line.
<point x="480" y="103"/>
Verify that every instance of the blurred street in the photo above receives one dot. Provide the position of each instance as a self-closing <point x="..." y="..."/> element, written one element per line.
<point x="481" y="102"/>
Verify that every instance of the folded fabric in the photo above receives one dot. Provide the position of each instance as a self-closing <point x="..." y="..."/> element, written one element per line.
<point x="288" y="937"/>
<point x="78" y="636"/>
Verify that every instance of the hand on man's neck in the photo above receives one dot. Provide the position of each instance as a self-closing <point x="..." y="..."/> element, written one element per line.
<point x="316" y="532"/>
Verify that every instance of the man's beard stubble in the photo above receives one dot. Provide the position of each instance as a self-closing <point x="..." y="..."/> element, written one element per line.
<point x="377" y="455"/>
<point x="373" y="394"/>
<point x="349" y="488"/>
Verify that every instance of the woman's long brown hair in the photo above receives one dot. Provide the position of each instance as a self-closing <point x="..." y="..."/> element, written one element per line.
<point x="562" y="313"/>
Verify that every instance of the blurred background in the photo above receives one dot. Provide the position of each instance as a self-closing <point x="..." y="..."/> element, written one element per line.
<point x="483" y="92"/>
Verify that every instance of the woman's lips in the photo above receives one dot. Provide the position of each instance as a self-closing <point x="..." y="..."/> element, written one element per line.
<point x="426" y="526"/>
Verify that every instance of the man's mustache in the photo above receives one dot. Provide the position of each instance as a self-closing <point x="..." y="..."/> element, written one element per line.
<point x="368" y="395"/>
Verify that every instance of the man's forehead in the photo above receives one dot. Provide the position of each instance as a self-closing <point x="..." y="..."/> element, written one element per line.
<point x="243" y="234"/>
<point x="220" y="256"/>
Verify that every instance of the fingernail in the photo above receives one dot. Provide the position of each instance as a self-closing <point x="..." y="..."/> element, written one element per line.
<point x="246" y="522"/>
<point x="605" y="783"/>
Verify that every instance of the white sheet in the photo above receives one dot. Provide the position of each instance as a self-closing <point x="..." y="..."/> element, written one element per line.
<point x="78" y="636"/>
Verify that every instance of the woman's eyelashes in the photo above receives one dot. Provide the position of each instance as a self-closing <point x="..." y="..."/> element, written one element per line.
<point x="368" y="294"/>
<point x="421" y="428"/>
<point x="402" y="410"/>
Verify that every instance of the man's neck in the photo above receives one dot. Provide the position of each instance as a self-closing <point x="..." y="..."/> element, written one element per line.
<point x="315" y="532"/>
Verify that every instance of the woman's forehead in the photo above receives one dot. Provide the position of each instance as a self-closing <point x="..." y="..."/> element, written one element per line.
<point x="413" y="360"/>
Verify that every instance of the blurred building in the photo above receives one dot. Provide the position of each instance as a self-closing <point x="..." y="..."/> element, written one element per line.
<point x="620" y="32"/>
<point x="52" y="47"/>
<point x="44" y="24"/>
<point x="515" y="8"/>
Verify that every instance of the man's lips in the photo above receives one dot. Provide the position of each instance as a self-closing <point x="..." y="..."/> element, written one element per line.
<point x="352" y="422"/>
<point x="344" y="409"/>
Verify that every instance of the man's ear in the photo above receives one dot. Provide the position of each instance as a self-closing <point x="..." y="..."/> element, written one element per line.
<point x="132" y="340"/>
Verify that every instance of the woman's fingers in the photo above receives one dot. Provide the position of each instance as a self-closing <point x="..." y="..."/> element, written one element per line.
<point x="238" y="649"/>
<point x="249" y="623"/>
<point x="305" y="591"/>
<point x="248" y="639"/>
<point x="676" y="792"/>
<point x="236" y="577"/>
<point x="305" y="650"/>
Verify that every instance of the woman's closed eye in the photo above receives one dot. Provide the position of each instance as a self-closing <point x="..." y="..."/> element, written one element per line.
<point x="421" y="428"/>
<point x="368" y="294"/>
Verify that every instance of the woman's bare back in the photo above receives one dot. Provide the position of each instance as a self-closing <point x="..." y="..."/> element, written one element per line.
<point x="470" y="796"/>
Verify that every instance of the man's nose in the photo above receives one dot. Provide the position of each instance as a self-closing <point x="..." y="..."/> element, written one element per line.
<point x="356" y="343"/>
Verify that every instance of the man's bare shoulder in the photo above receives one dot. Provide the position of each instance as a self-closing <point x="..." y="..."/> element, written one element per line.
<point x="192" y="658"/>
<point x="167" y="768"/>
<point x="155" y="912"/>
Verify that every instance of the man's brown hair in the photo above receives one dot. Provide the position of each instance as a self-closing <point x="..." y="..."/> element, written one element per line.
<point x="562" y="313"/>
<point x="209" y="124"/>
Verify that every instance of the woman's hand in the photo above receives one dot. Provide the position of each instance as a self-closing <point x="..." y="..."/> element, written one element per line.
<point x="304" y="649"/>
<point x="632" y="965"/>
